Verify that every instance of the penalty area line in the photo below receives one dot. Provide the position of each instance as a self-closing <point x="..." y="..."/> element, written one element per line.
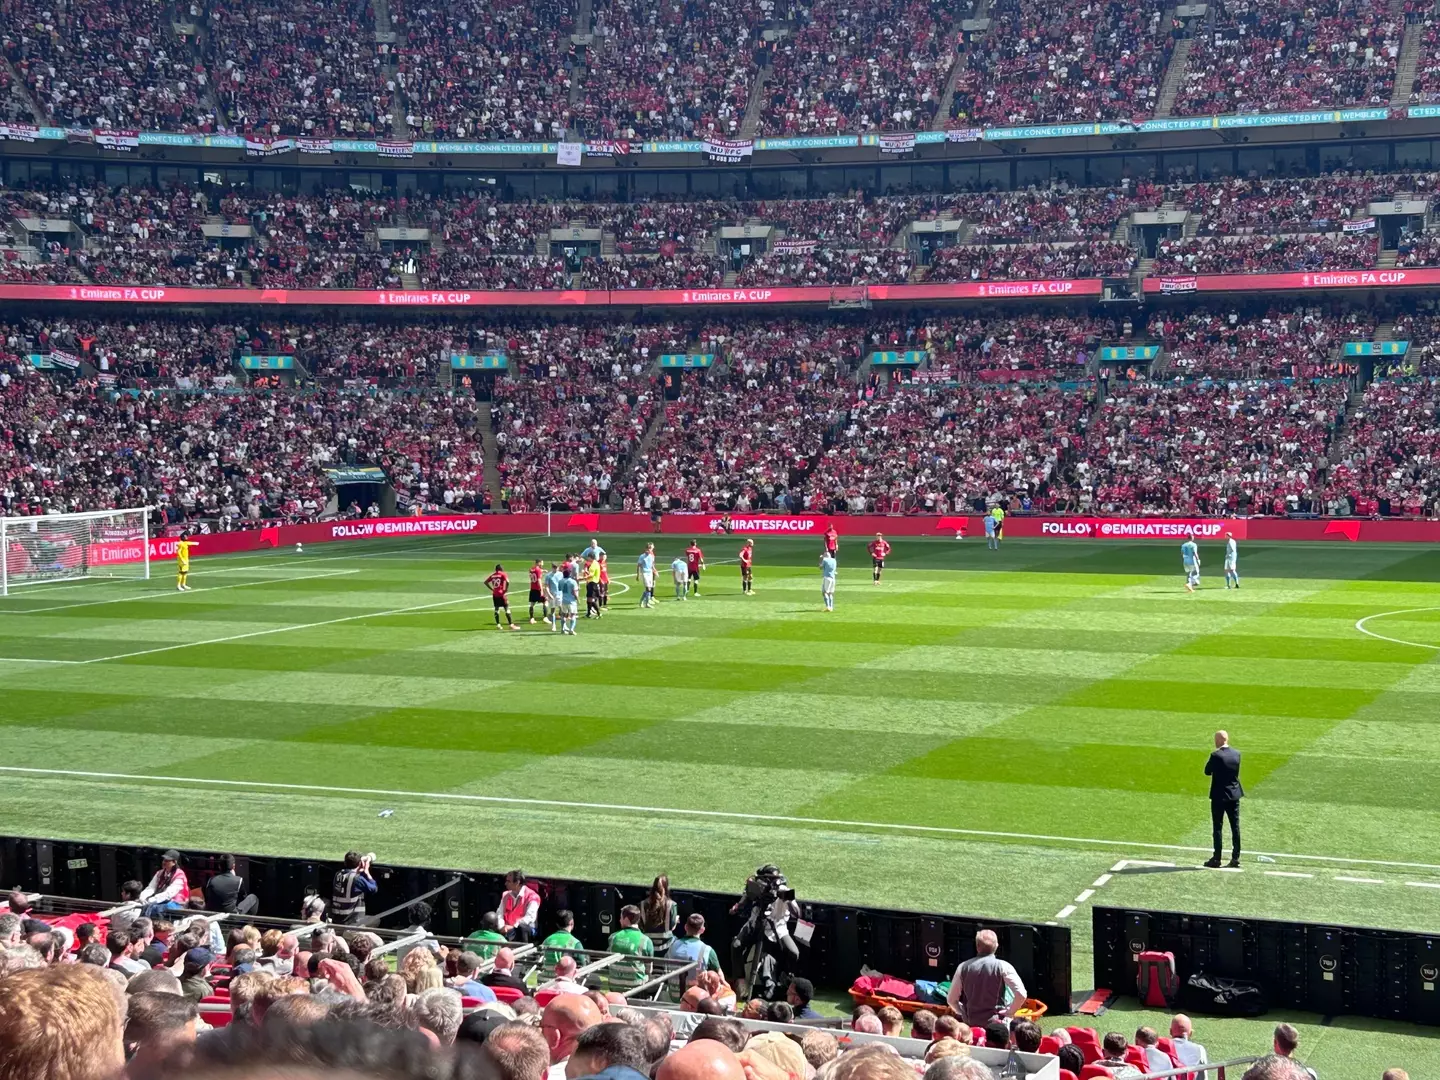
<point x="672" y="811"/>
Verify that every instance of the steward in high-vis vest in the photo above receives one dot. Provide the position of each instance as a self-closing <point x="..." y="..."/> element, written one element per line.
<point x="352" y="885"/>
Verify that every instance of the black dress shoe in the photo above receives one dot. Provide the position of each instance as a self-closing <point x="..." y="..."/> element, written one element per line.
<point x="1235" y="864"/>
<point x="1212" y="863"/>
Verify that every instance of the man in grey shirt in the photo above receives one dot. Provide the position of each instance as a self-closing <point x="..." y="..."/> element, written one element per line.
<point x="977" y="990"/>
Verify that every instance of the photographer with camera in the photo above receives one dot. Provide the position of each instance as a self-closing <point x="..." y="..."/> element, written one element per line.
<point x="765" y="949"/>
<point x="352" y="884"/>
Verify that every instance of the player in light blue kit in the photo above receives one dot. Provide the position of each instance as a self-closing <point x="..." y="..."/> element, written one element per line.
<point x="990" y="540"/>
<point x="1190" y="557"/>
<point x="1232" y="562"/>
<point x="594" y="551"/>
<point x="552" y="595"/>
<point x="569" y="599"/>
<point x="827" y="580"/>
<point x="645" y="572"/>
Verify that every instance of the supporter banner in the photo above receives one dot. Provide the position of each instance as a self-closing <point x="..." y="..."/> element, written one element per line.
<point x="356" y="474"/>
<point x="1322" y="279"/>
<point x="268" y="147"/>
<point x="1178" y="285"/>
<point x="106" y="378"/>
<point x="1365" y="224"/>
<point x="124" y="141"/>
<point x="731" y="151"/>
<point x="20" y="132"/>
<point x="959" y="135"/>
<point x="1376" y="348"/>
<point x="395" y="149"/>
<point x="68" y="361"/>
<point x="80" y="135"/>
<point x="313" y="146"/>
<point x="607" y="148"/>
<point x="569" y="153"/>
<point x="789" y="246"/>
<point x="897" y="143"/>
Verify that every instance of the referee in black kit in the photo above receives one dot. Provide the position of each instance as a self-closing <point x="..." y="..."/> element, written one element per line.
<point x="1223" y="768"/>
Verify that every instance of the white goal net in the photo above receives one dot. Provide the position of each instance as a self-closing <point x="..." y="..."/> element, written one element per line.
<point x="60" y="547"/>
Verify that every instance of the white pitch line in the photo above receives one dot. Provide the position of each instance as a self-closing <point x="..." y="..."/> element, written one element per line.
<point x="1286" y="873"/>
<point x="1360" y="625"/>
<point x="171" y="593"/>
<point x="281" y="630"/>
<point x="1066" y="911"/>
<point x="1423" y="884"/>
<point x="34" y="660"/>
<point x="1101" y="881"/>
<point x="1360" y="880"/>
<point x="1084" y="896"/>
<point x="724" y="815"/>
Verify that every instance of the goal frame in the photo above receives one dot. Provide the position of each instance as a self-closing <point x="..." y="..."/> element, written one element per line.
<point x="11" y="525"/>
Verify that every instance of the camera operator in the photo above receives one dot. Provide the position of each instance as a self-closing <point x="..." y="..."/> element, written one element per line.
<point x="352" y="884"/>
<point x="765" y="949"/>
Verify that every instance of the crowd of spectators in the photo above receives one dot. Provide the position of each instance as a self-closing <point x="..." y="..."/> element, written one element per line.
<point x="1297" y="342"/>
<point x="1419" y="249"/>
<point x="1262" y="253"/>
<point x="1274" y="56"/>
<point x="828" y="266"/>
<point x="1060" y="213"/>
<point x="1387" y="460"/>
<point x="1237" y="205"/>
<point x="681" y="270"/>
<point x="565" y="430"/>
<point x="924" y="449"/>
<point x="1206" y="447"/>
<point x="115" y="65"/>
<point x="664" y="70"/>
<point x="1005" y="262"/>
<point x="742" y="438"/>
<point x="1035" y="348"/>
<point x="472" y="70"/>
<point x="1043" y="64"/>
<point x="299" y="67"/>
<point x="860" y="67"/>
<point x="255" y="455"/>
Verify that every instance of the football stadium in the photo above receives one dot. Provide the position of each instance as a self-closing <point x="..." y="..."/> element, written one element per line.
<point x="619" y="540"/>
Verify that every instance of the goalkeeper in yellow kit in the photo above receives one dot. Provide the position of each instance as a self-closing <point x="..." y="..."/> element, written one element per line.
<point x="182" y="562"/>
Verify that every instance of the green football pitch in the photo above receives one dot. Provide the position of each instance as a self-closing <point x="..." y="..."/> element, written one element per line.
<point x="988" y="733"/>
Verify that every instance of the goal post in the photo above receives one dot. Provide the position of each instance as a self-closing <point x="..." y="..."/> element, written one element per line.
<point x="105" y="544"/>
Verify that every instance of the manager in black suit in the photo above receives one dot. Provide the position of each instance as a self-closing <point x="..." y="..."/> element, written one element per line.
<point x="1223" y="768"/>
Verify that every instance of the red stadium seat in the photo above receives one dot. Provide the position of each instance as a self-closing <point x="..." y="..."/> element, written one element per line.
<point x="1066" y="1074"/>
<point x="1087" y="1041"/>
<point x="1095" y="1072"/>
<point x="977" y="1034"/>
<point x="1049" y="1045"/>
<point x="508" y="994"/>
<point x="1135" y="1056"/>
<point x="544" y="997"/>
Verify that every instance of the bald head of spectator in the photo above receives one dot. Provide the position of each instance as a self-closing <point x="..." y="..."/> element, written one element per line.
<point x="704" y="1059"/>
<point x="690" y="1000"/>
<point x="61" y="1023"/>
<point x="564" y="1018"/>
<point x="868" y="1025"/>
<point x="519" y="1051"/>
<point x="1394" y="1074"/>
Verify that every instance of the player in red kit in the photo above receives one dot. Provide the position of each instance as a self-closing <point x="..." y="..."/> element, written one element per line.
<point x="499" y="585"/>
<point x="879" y="548"/>
<point x="747" y="567"/>
<point x="832" y="541"/>
<point x="694" y="562"/>
<point x="537" y="591"/>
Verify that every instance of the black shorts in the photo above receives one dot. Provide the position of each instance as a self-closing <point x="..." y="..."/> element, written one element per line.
<point x="831" y="551"/>
<point x="536" y="596"/>
<point x="592" y="590"/>
<point x="500" y="601"/>
<point x="999" y="529"/>
<point x="694" y="573"/>
<point x="745" y="569"/>
<point x="879" y="564"/>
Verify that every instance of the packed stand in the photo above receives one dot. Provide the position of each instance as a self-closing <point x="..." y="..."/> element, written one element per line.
<point x="321" y="243"/>
<point x="1042" y="64"/>
<point x="1421" y="328"/>
<point x="1389" y="459"/>
<point x="299" y="67"/>
<point x="1033" y="348"/>
<point x="738" y="438"/>
<point x="577" y="408"/>
<point x="1062" y="213"/>
<point x="135" y="352"/>
<point x="1422" y="249"/>
<point x="658" y="70"/>
<point x="1005" y="262"/>
<point x="925" y="449"/>
<point x="1276" y="56"/>
<point x="241" y="456"/>
<point x="1239" y="205"/>
<point x="1207" y="448"/>
<point x="828" y="266"/>
<point x="1425" y="90"/>
<point x="682" y="270"/>
<point x="1266" y="254"/>
<point x="860" y="67"/>
<point x="1300" y="342"/>
<point x="116" y="65"/>
<point x="471" y="70"/>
